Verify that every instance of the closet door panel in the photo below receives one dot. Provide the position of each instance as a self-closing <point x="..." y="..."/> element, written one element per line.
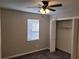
<point x="78" y="42"/>
<point x="74" y="44"/>
<point x="0" y="33"/>
<point x="78" y="48"/>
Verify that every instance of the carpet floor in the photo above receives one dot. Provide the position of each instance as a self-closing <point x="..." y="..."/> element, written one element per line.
<point x="45" y="55"/>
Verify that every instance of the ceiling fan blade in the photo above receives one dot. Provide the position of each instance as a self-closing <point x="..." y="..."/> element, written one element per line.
<point x="33" y="7"/>
<point x="57" y="5"/>
<point x="51" y="9"/>
<point x="41" y="4"/>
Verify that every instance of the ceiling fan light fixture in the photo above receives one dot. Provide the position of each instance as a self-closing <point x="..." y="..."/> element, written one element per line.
<point x="44" y="11"/>
<point x="47" y="11"/>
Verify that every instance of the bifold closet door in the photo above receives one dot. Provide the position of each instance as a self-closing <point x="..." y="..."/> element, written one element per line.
<point x="78" y="42"/>
<point x="0" y="33"/>
<point x="78" y="45"/>
<point x="74" y="44"/>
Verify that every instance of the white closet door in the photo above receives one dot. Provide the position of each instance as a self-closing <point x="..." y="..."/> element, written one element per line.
<point x="0" y="34"/>
<point x="74" y="39"/>
<point x="78" y="48"/>
<point x="78" y="42"/>
<point x="52" y="33"/>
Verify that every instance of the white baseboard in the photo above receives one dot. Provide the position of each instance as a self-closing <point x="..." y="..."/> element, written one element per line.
<point x="24" y="53"/>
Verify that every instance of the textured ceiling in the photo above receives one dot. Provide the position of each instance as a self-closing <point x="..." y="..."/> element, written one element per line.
<point x="68" y="5"/>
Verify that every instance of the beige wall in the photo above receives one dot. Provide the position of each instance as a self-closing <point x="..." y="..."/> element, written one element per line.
<point x="0" y="33"/>
<point x="64" y="35"/>
<point x="14" y="32"/>
<point x="67" y="14"/>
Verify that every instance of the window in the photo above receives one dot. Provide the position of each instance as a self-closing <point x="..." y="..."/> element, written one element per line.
<point x="33" y="29"/>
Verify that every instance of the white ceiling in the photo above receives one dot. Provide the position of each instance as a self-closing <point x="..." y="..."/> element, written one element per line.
<point x="68" y="5"/>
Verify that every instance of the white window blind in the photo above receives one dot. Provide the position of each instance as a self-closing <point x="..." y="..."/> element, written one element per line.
<point x="33" y="29"/>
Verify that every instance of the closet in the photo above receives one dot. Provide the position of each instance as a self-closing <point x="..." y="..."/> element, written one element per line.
<point x="64" y="35"/>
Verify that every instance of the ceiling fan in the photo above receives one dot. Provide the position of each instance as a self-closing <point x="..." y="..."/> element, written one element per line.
<point x="46" y="7"/>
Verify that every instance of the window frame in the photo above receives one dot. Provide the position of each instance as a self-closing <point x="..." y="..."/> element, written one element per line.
<point x="33" y="31"/>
